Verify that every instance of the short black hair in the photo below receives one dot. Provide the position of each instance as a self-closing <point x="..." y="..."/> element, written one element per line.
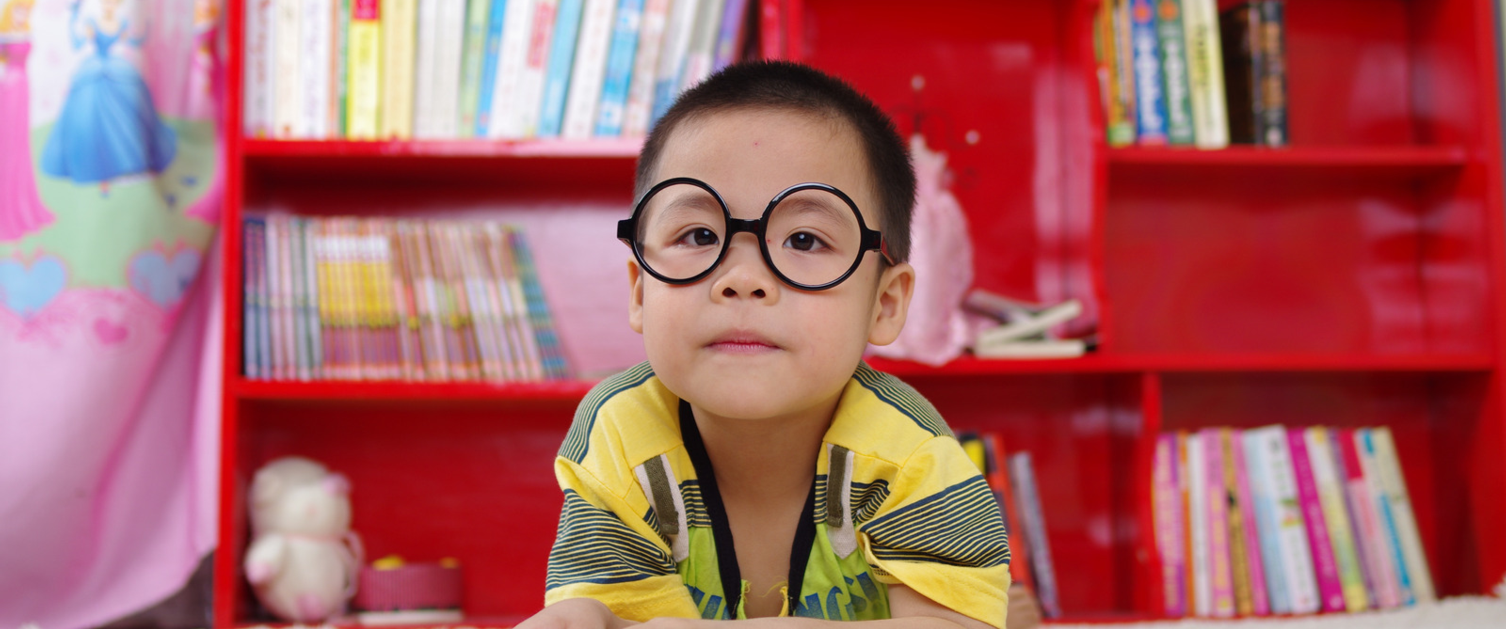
<point x="784" y="85"/>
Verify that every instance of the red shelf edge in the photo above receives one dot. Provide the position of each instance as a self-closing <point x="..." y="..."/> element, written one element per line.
<point x="1443" y="156"/>
<point x="563" y="391"/>
<point x="611" y="148"/>
<point x="1110" y="363"/>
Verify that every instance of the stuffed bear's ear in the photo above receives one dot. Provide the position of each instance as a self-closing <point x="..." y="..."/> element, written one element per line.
<point x="337" y="484"/>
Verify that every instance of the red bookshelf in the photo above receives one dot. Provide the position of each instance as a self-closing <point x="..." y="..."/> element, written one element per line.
<point x="1353" y="278"/>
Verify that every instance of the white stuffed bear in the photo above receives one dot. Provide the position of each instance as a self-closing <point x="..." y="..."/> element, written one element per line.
<point x="303" y="557"/>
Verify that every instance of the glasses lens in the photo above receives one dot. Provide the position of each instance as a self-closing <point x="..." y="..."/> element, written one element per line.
<point x="680" y="231"/>
<point x="813" y="237"/>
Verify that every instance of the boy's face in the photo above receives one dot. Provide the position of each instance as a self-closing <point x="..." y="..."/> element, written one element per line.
<point x="740" y="343"/>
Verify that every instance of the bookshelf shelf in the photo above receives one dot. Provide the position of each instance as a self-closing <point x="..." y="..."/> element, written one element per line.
<point x="563" y="393"/>
<point x="613" y="148"/>
<point x="1175" y="363"/>
<point x="1320" y="160"/>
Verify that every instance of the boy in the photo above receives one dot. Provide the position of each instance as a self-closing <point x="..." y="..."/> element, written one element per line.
<point x="754" y="467"/>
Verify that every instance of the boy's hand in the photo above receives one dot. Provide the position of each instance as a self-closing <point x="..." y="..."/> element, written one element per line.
<point x="576" y="613"/>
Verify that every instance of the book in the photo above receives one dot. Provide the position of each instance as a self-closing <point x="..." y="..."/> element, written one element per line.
<point x="996" y="473"/>
<point x="1171" y="39"/>
<point x="1123" y="75"/>
<point x="1220" y="572"/>
<point x="426" y="69"/>
<point x="364" y="93"/>
<point x="1201" y="525"/>
<point x="535" y="68"/>
<point x="450" y="44"/>
<point x="1167" y="516"/>
<point x="1043" y="348"/>
<point x="1022" y="474"/>
<point x="496" y="18"/>
<point x="1291" y="531"/>
<point x="341" y="60"/>
<point x="1268" y="515"/>
<point x="252" y="258"/>
<point x="1239" y="552"/>
<point x="299" y="302"/>
<point x="1245" y="504"/>
<point x="257" y="78"/>
<point x="517" y="30"/>
<point x="590" y="66"/>
<point x="561" y="62"/>
<point x="1336" y="517"/>
<point x="1374" y="549"/>
<point x="677" y="31"/>
<point x="1388" y="465"/>
<point x="1386" y="515"/>
<point x="640" y="98"/>
<point x="729" y="40"/>
<point x="1190" y="547"/>
<point x="472" y="60"/>
<point x="1271" y="126"/>
<point x="619" y="69"/>
<point x="1120" y="129"/>
<point x="1205" y="73"/>
<point x="1244" y="58"/>
<point x="1020" y="323"/>
<point x="551" y="356"/>
<point x="399" y="35"/>
<point x="1330" y="588"/>
<point x="287" y="120"/>
<point x="698" y="57"/>
<point x="316" y="30"/>
<point x="1150" y="97"/>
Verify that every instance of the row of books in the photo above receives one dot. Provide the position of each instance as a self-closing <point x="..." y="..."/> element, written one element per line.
<point x="381" y="299"/>
<point x="456" y="69"/>
<point x="1179" y="73"/>
<point x="1278" y="520"/>
<point x="1012" y="479"/>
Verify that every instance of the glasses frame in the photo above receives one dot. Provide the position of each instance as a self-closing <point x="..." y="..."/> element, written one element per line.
<point x="627" y="230"/>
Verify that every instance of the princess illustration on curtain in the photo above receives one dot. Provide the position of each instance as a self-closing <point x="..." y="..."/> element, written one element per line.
<point x="21" y="208"/>
<point x="108" y="127"/>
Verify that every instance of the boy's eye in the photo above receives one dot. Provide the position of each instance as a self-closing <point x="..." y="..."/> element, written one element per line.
<point x="700" y="237"/>
<point x="804" y="241"/>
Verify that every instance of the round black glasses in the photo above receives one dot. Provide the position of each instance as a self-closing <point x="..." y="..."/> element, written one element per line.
<point x="812" y="235"/>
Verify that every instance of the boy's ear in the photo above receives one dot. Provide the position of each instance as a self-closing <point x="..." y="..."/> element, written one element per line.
<point x="892" y="303"/>
<point x="635" y="296"/>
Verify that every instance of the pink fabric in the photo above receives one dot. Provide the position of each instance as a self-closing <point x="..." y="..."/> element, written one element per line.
<point x="109" y="331"/>
<point x="936" y="329"/>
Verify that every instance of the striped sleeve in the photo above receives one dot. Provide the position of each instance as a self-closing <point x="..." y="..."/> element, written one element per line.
<point x="606" y="550"/>
<point x="939" y="532"/>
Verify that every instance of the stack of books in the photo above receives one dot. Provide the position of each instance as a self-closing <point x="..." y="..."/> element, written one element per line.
<point x="1022" y="330"/>
<point x="1279" y="520"/>
<point x="459" y="69"/>
<point x="381" y="299"/>
<point x="1012" y="480"/>
<point x="1179" y="73"/>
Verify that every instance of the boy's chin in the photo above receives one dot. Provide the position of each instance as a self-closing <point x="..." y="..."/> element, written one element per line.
<point x="754" y="396"/>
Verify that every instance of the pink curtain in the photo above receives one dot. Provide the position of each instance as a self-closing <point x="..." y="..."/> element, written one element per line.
<point x="109" y="319"/>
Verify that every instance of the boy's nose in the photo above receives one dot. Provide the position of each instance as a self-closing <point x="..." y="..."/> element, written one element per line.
<point x="743" y="272"/>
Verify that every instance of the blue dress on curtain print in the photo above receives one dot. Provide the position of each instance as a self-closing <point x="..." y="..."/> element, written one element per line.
<point x="108" y="127"/>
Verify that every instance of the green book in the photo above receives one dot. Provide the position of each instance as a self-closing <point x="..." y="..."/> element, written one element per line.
<point x="342" y="26"/>
<point x="476" y="15"/>
<point x="1179" y="125"/>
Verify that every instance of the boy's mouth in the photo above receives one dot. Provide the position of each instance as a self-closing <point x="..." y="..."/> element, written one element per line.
<point x="742" y="342"/>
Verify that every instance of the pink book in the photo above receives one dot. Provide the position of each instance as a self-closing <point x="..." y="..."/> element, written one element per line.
<point x="1246" y="505"/>
<point x="1221" y="576"/>
<point x="1330" y="589"/>
<point x="1375" y="555"/>
<point x="1168" y="520"/>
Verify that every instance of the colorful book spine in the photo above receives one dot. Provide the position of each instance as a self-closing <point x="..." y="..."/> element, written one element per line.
<point x="299" y="303"/>
<point x="1391" y="533"/>
<point x="1330" y="588"/>
<point x="1124" y="120"/>
<point x="535" y="68"/>
<point x="309" y="304"/>
<point x="1268" y="520"/>
<point x="1184" y="486"/>
<point x="449" y="44"/>
<point x="316" y="29"/>
<point x="729" y="41"/>
<point x="1336" y="444"/>
<point x="1297" y="556"/>
<point x="426" y="69"/>
<point x="619" y="70"/>
<point x="1221" y="580"/>
<point x="551" y="355"/>
<point x="287" y="273"/>
<point x="1374" y="548"/>
<point x="1239" y="553"/>
<point x="1389" y="466"/>
<point x="286" y="39"/>
<point x="251" y="262"/>
<point x="640" y="98"/>
<point x="499" y="260"/>
<point x="494" y="29"/>
<point x="1022" y="472"/>
<point x="1200" y="510"/>
<point x="1168" y="523"/>
<point x="517" y="30"/>
<point x="472" y="60"/>
<point x="533" y="363"/>
<point x="682" y="19"/>
<point x="257" y="119"/>
<point x="478" y="253"/>
<point x="341" y="60"/>
<point x="1171" y="39"/>
<point x="561" y="61"/>
<point x="1272" y="128"/>
<point x="1205" y="73"/>
<point x="1336" y="517"/>
<point x="1150" y="98"/>
<point x="997" y="475"/>
<point x="399" y="38"/>
<point x="324" y="283"/>
<point x="1120" y="131"/>
<point x="590" y="68"/>
<point x="1245" y="502"/>
<point x="365" y="72"/>
<point x="698" y="58"/>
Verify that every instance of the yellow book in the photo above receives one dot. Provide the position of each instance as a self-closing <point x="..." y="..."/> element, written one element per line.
<point x="364" y="91"/>
<point x="399" y="31"/>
